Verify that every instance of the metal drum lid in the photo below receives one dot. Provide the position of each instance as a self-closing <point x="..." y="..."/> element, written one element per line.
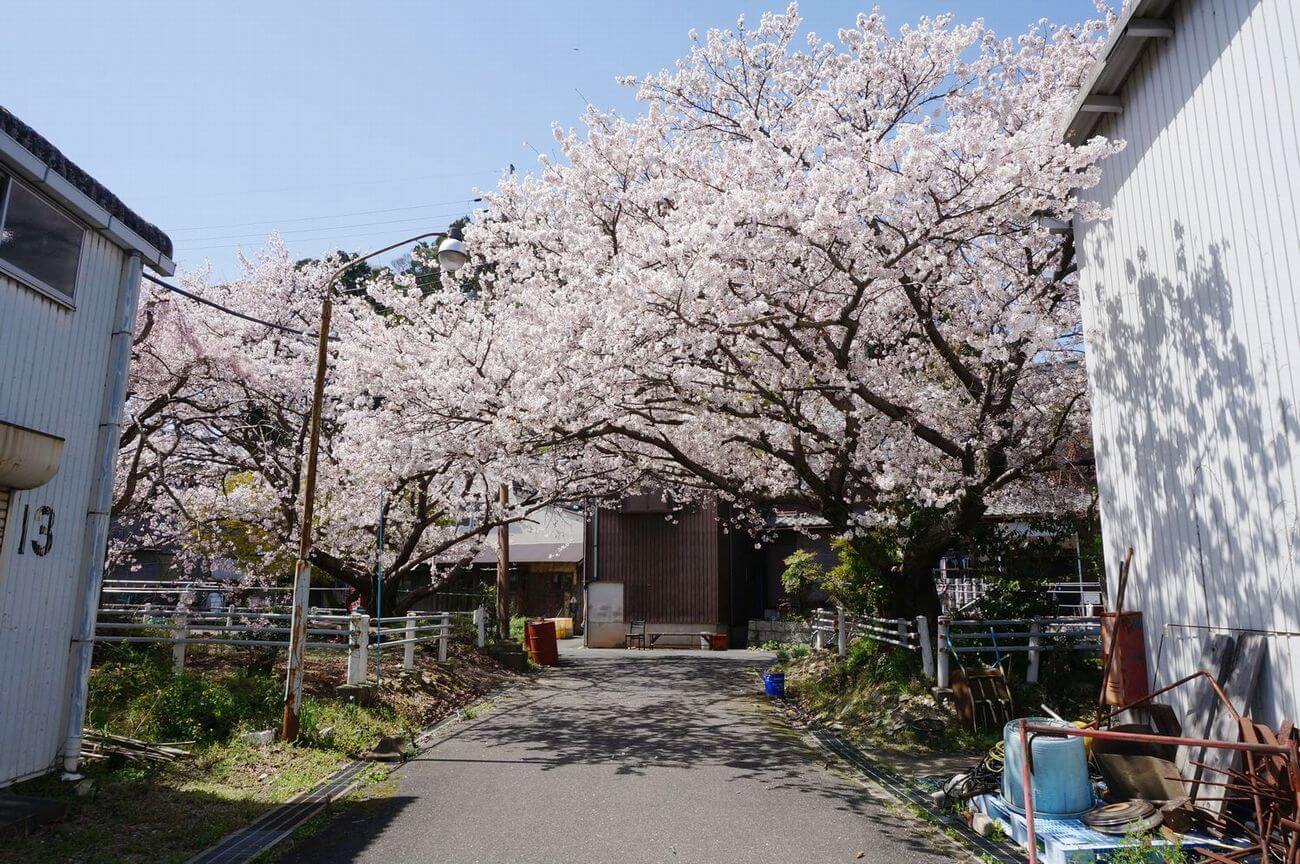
<point x="1121" y="818"/>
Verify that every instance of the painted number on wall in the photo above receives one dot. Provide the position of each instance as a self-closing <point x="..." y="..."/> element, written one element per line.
<point x="37" y="532"/>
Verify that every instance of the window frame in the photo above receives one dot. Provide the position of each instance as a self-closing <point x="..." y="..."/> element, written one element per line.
<point x="7" y="181"/>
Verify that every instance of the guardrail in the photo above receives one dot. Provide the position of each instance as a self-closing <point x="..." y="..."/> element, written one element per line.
<point x="955" y="637"/>
<point x="326" y="629"/>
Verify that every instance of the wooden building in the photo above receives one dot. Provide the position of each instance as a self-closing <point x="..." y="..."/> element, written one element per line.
<point x="1190" y="299"/>
<point x="682" y="570"/>
<point x="71" y="256"/>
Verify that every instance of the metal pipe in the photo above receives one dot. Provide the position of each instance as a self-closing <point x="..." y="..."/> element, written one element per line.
<point x="95" y="536"/>
<point x="1027" y="790"/>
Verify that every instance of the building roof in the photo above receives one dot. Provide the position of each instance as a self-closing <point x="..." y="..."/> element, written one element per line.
<point x="1141" y="22"/>
<point x="534" y="553"/>
<point x="35" y="159"/>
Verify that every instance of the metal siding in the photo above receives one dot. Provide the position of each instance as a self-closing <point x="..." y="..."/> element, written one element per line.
<point x="669" y="570"/>
<point x="1191" y="320"/>
<point x="52" y="373"/>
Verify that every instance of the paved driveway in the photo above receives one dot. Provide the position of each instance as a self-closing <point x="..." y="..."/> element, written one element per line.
<point x="655" y="756"/>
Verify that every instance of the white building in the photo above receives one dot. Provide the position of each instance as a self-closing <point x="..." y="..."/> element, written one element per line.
<point x="70" y="263"/>
<point x="1193" y="331"/>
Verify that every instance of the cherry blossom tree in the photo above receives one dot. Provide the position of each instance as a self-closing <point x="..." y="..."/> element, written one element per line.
<point x="815" y="276"/>
<point x="215" y="440"/>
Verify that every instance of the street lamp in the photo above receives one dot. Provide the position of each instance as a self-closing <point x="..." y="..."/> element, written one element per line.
<point x="451" y="257"/>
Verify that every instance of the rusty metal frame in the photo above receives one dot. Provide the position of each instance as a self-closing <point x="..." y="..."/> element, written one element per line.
<point x="1265" y="825"/>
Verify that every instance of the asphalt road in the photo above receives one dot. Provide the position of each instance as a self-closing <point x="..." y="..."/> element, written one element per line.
<point x="655" y="756"/>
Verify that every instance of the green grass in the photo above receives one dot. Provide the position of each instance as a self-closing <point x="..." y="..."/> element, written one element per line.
<point x="142" y="812"/>
<point x="151" y="812"/>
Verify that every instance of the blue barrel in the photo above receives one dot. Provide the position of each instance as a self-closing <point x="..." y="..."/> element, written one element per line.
<point x="1060" y="772"/>
<point x="774" y="684"/>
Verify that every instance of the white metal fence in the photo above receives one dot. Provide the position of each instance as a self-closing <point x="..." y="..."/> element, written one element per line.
<point x="327" y="629"/>
<point x="955" y="637"/>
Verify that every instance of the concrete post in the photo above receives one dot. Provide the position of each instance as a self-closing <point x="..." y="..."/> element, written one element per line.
<point x="941" y="645"/>
<point x="408" y="650"/>
<point x="1035" y="650"/>
<point x="818" y="638"/>
<point x="180" y="631"/>
<point x="841" y="632"/>
<point x="358" y="648"/>
<point x="927" y="648"/>
<point x="902" y="630"/>
<point x="444" y="636"/>
<point x="480" y="626"/>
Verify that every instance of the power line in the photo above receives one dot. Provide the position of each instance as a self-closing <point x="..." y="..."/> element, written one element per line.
<point x="334" y="184"/>
<point x="226" y="309"/>
<point x="328" y="216"/>
<point x="259" y="234"/>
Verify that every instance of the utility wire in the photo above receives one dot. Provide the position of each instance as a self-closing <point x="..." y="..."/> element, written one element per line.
<point x="226" y="309"/>
<point x="329" y="215"/>
<point x="316" y="228"/>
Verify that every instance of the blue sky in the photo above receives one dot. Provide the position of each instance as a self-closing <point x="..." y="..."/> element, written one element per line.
<point x="348" y="124"/>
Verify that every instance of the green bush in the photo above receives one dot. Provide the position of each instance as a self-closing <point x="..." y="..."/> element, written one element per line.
<point x="517" y="628"/>
<point x="882" y="664"/>
<point x="138" y="695"/>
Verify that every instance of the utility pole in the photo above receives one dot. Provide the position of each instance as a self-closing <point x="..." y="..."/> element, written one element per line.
<point x="451" y="257"/>
<point x="503" y="566"/>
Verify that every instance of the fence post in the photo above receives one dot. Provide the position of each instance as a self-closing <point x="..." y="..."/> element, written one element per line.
<point x="444" y="636"/>
<point x="841" y="632"/>
<point x="941" y="645"/>
<point x="358" y="647"/>
<point x="902" y="630"/>
<point x="180" y="630"/>
<point x="480" y="626"/>
<point x="1035" y="650"/>
<point x="408" y="650"/>
<point x="818" y="637"/>
<point x="927" y="650"/>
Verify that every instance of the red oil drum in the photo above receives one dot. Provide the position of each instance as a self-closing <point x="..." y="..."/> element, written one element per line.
<point x="539" y="640"/>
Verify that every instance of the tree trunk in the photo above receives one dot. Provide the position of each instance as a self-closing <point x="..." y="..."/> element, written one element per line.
<point x="503" y="568"/>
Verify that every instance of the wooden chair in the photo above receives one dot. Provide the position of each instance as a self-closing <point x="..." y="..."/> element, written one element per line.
<point x="636" y="633"/>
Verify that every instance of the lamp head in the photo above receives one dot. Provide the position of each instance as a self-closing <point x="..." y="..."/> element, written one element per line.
<point x="451" y="254"/>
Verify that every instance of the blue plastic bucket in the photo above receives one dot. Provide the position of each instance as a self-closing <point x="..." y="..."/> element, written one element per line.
<point x="774" y="684"/>
<point x="1060" y="777"/>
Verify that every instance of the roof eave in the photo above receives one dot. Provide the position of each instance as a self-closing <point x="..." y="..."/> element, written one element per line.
<point x="31" y="168"/>
<point x="1143" y="21"/>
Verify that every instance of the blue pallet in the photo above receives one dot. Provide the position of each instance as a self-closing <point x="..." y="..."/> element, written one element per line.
<point x="1069" y="841"/>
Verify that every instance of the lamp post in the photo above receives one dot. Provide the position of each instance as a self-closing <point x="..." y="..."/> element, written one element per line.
<point x="451" y="257"/>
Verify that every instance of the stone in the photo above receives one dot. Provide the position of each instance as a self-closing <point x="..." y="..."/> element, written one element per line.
<point x="258" y="739"/>
<point x="84" y="788"/>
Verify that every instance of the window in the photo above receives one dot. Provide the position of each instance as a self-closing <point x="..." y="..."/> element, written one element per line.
<point x="38" y="244"/>
<point x="4" y="514"/>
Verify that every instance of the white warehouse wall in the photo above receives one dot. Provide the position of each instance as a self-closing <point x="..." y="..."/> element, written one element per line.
<point x="1193" y="337"/>
<point x="53" y="363"/>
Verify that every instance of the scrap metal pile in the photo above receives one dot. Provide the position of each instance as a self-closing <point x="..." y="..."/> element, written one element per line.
<point x="1225" y="787"/>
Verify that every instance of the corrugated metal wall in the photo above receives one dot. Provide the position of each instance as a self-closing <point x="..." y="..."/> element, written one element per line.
<point x="52" y="372"/>
<point x="1193" y="332"/>
<point x="669" y="570"/>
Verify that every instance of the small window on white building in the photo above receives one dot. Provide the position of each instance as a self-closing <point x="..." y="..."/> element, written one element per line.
<point x="39" y="245"/>
<point x="4" y="514"/>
